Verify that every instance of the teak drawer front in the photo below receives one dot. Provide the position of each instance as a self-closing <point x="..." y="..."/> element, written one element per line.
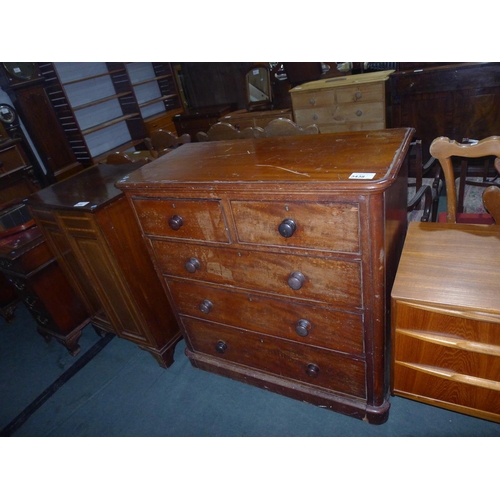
<point x="420" y="318"/>
<point x="326" y="226"/>
<point x="290" y="320"/>
<point x="470" y="359"/>
<point x="184" y="219"/>
<point x="288" y="359"/>
<point x="449" y="388"/>
<point x="327" y="280"/>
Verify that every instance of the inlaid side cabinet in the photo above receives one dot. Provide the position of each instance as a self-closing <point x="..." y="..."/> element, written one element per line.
<point x="278" y="254"/>
<point x="92" y="230"/>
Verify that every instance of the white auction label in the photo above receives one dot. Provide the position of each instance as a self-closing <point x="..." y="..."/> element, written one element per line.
<point x="362" y="175"/>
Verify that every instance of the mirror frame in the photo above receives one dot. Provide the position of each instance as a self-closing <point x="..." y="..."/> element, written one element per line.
<point x="265" y="103"/>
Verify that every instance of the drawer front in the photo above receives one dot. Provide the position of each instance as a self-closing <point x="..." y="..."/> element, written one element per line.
<point x="468" y="359"/>
<point x="361" y="93"/>
<point x="343" y="114"/>
<point x="325" y="226"/>
<point x="312" y="100"/>
<point x="455" y="327"/>
<point x="287" y="359"/>
<point x="290" y="320"/>
<point x="447" y="388"/>
<point x="76" y="222"/>
<point x="349" y="94"/>
<point x="183" y="219"/>
<point x="321" y="279"/>
<point x="29" y="261"/>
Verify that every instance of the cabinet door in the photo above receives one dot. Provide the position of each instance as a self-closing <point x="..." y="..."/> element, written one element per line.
<point x="101" y="269"/>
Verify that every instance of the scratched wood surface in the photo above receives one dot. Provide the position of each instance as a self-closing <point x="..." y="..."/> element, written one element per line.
<point x="319" y="160"/>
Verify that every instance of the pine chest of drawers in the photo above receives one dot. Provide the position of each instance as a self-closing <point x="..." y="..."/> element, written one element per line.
<point x="354" y="102"/>
<point x="277" y="255"/>
<point x="446" y="318"/>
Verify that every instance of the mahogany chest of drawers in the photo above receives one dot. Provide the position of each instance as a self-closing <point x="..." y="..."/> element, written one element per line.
<point x="446" y="318"/>
<point x="277" y="255"/>
<point x="354" y="102"/>
<point x="93" y="233"/>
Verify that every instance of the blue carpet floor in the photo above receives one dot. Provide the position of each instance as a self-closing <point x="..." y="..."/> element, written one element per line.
<point x="122" y="392"/>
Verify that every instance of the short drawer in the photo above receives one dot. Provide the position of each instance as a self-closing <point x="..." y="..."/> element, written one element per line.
<point x="183" y="219"/>
<point x="294" y="361"/>
<point x="362" y="93"/>
<point x="335" y="281"/>
<point x="76" y="222"/>
<point x="311" y="100"/>
<point x="304" y="323"/>
<point x="326" y="226"/>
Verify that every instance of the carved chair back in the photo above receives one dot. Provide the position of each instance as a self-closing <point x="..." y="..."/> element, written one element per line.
<point x="284" y="126"/>
<point x="444" y="149"/>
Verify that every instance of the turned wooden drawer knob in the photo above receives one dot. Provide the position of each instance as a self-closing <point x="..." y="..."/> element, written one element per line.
<point x="302" y="327"/>
<point x="296" y="280"/>
<point x="221" y="347"/>
<point x="312" y="370"/>
<point x="175" y="222"/>
<point x="312" y="101"/>
<point x="315" y="117"/>
<point x="287" y="228"/>
<point x="358" y="95"/>
<point x="191" y="265"/>
<point x="206" y="306"/>
<point x="359" y="112"/>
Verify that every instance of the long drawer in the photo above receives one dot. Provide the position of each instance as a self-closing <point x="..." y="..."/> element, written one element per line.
<point x="335" y="281"/>
<point x="343" y="114"/>
<point x="300" y="322"/>
<point x="280" y="357"/>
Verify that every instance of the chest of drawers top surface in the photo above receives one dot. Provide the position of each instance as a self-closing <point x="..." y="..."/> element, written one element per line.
<point x="342" y="81"/>
<point x="431" y="272"/>
<point x="348" y="161"/>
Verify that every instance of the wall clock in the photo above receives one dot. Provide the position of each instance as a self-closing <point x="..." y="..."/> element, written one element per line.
<point x="8" y="114"/>
<point x="20" y="70"/>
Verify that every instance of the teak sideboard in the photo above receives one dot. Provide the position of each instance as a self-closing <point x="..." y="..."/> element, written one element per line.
<point x="278" y="255"/>
<point x="92" y="231"/>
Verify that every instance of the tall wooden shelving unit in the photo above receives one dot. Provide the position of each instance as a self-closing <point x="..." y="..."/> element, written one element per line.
<point x="106" y="107"/>
<point x="156" y="91"/>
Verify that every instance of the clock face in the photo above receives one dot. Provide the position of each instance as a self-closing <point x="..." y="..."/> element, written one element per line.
<point x="20" y="70"/>
<point x="7" y="114"/>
